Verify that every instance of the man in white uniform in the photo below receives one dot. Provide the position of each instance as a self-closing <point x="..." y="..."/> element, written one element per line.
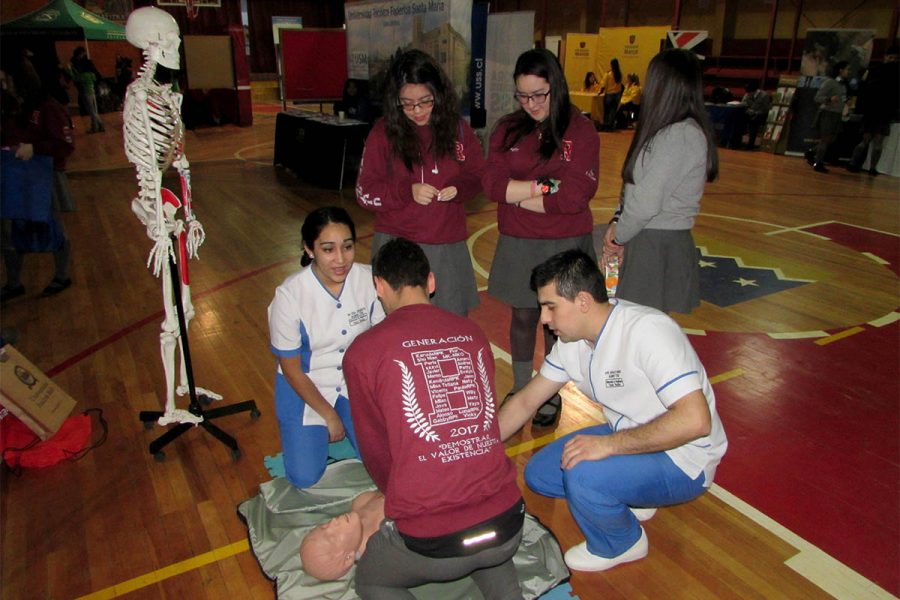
<point x="663" y="438"/>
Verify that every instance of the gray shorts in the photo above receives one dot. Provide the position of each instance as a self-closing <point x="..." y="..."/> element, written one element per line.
<point x="388" y="568"/>
<point x="454" y="276"/>
<point x="514" y="260"/>
<point x="662" y="270"/>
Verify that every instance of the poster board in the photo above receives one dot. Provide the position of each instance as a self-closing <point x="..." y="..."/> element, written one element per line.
<point x="778" y="121"/>
<point x="314" y="63"/>
<point x="208" y="60"/>
<point x="635" y="47"/>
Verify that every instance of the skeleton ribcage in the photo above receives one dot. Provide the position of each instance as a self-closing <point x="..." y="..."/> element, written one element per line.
<point x="154" y="149"/>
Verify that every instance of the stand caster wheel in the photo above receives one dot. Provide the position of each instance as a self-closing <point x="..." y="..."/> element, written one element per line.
<point x="254" y="414"/>
<point x="235" y="454"/>
<point x="148" y="425"/>
<point x="159" y="456"/>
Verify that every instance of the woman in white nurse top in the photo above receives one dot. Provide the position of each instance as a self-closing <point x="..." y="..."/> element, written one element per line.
<point x="315" y="315"/>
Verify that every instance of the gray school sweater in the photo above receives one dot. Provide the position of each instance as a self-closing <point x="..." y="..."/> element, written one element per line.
<point x="669" y="177"/>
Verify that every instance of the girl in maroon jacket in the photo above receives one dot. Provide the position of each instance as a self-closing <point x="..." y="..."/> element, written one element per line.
<point x="542" y="173"/>
<point x="40" y="125"/>
<point x="421" y="164"/>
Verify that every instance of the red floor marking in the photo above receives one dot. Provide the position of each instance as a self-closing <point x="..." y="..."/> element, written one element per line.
<point x="817" y="454"/>
<point x="881" y="245"/>
<point x="77" y="358"/>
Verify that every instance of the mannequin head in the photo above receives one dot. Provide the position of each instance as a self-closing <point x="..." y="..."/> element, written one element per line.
<point x="156" y="33"/>
<point x="329" y="550"/>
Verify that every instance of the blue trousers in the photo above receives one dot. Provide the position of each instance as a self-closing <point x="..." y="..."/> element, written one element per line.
<point x="305" y="447"/>
<point x="599" y="492"/>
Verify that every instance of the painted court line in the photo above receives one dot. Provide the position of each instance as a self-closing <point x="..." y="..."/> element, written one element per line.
<point x="876" y="258"/>
<point x="839" y="336"/>
<point x="178" y="568"/>
<point x="831" y="575"/>
<point x="797" y="335"/>
<point x="885" y="320"/>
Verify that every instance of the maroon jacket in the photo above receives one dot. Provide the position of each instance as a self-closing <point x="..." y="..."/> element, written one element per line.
<point x="385" y="184"/>
<point x="49" y="130"/>
<point x="421" y="389"/>
<point x="568" y="213"/>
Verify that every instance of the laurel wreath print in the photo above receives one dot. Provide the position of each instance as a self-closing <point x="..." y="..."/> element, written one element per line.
<point x="488" y="393"/>
<point x="414" y="415"/>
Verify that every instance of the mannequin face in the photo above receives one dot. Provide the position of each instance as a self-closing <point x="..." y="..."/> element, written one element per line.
<point x="417" y="102"/>
<point x="333" y="253"/>
<point x="329" y="550"/>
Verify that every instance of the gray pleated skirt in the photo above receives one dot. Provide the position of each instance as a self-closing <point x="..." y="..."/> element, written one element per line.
<point x="455" y="289"/>
<point x="662" y="270"/>
<point x="514" y="260"/>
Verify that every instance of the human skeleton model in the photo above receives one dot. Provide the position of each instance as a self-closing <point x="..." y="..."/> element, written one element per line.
<point x="154" y="141"/>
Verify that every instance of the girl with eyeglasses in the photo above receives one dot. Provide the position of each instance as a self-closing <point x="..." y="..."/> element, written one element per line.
<point x="421" y="164"/>
<point x="672" y="156"/>
<point x="542" y="173"/>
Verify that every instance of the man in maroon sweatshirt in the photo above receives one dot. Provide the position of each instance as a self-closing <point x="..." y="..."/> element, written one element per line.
<point x="421" y="389"/>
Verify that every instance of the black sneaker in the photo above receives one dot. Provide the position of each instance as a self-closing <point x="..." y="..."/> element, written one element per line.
<point x="820" y="168"/>
<point x="810" y="156"/>
<point x="548" y="413"/>
<point x="9" y="292"/>
<point x="56" y="286"/>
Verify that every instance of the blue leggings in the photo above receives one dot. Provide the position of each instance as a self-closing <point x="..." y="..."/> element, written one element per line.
<point x="305" y="446"/>
<point x="599" y="492"/>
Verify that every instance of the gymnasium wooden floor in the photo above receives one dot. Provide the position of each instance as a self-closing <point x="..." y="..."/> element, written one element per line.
<point x="802" y="348"/>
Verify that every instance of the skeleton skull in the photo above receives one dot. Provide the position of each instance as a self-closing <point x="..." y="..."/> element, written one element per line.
<point x="156" y="32"/>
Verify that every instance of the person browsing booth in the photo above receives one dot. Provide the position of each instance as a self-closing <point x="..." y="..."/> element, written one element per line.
<point x="663" y="437"/>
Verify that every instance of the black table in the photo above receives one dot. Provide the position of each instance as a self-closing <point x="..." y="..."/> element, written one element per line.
<point x="317" y="146"/>
<point x="730" y="123"/>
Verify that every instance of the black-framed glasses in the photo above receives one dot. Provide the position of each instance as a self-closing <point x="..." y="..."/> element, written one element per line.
<point x="410" y="106"/>
<point x="538" y="98"/>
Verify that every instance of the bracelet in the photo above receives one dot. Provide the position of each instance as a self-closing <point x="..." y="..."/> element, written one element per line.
<point x="614" y="220"/>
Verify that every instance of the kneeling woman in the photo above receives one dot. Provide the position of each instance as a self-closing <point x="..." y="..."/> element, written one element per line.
<point x="315" y="315"/>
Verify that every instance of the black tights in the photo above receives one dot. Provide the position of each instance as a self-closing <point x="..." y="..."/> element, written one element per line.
<point x="521" y="334"/>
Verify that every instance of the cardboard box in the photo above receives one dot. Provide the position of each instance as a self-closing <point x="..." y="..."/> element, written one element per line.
<point x="30" y="395"/>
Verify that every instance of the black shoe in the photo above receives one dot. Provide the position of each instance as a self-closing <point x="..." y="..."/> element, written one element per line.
<point x="854" y="168"/>
<point x="810" y="156"/>
<point x="873" y="172"/>
<point x="548" y="413"/>
<point x="820" y="168"/>
<point x="10" y="292"/>
<point x="56" y="286"/>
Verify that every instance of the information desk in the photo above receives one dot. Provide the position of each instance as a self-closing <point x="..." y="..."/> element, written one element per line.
<point x="730" y="123"/>
<point x="317" y="146"/>
<point x="589" y="103"/>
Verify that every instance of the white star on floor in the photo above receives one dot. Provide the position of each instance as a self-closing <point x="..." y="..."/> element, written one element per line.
<point x="745" y="282"/>
<point x="707" y="263"/>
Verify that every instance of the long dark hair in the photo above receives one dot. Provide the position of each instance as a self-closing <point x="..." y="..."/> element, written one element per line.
<point x="616" y="71"/>
<point x="417" y="67"/>
<point x="673" y="93"/>
<point x="589" y="80"/>
<point x="316" y="221"/>
<point x="541" y="63"/>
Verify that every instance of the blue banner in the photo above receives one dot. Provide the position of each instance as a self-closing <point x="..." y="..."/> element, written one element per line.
<point x="478" y="110"/>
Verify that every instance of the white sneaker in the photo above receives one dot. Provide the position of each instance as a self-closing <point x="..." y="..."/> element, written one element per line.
<point x="643" y="514"/>
<point x="579" y="559"/>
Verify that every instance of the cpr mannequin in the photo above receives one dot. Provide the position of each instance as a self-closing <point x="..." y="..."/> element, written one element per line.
<point x="329" y="550"/>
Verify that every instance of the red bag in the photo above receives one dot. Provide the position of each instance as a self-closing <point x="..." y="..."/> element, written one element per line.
<point x="21" y="448"/>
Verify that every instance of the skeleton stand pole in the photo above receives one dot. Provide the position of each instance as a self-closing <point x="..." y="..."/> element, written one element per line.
<point x="150" y="417"/>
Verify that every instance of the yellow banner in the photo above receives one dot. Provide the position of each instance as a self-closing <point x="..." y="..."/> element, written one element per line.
<point x="580" y="57"/>
<point x="633" y="46"/>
